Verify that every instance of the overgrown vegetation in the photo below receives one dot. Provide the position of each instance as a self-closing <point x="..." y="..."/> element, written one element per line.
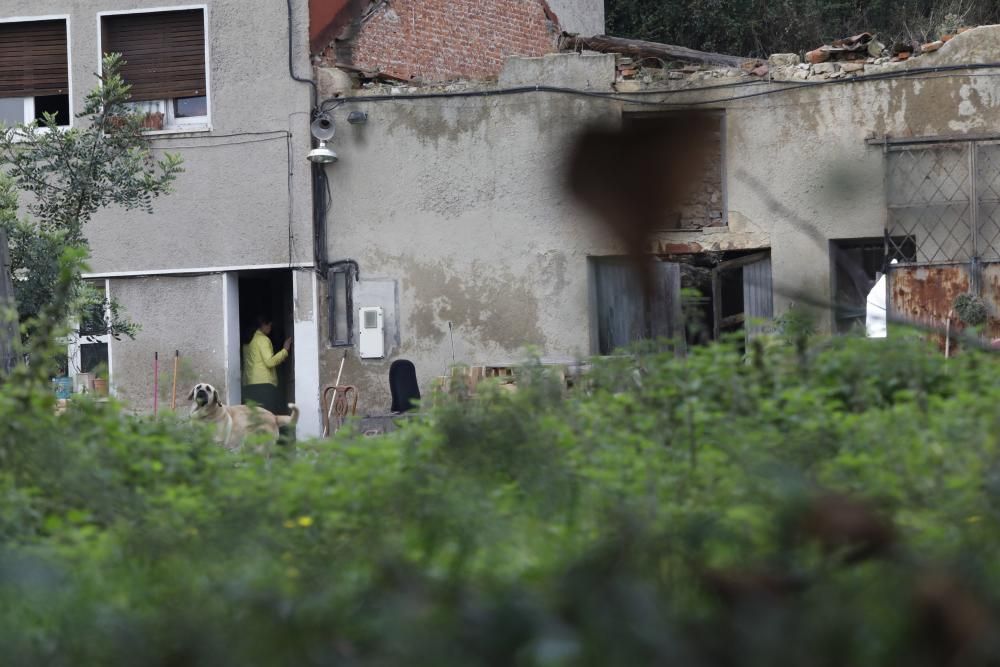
<point x="759" y="28"/>
<point x="66" y="176"/>
<point x="829" y="503"/>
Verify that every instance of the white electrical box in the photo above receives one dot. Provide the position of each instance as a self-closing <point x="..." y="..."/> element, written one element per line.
<point x="372" y="339"/>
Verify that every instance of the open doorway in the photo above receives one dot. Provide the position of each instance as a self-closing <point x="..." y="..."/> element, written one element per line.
<point x="725" y="292"/>
<point x="269" y="293"/>
<point x="856" y="265"/>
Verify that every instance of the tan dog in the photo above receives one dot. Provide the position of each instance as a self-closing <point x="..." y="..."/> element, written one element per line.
<point x="235" y="422"/>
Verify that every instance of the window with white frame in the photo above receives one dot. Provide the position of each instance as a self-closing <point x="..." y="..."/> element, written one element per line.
<point x="34" y="71"/>
<point x="165" y="65"/>
<point x="90" y="345"/>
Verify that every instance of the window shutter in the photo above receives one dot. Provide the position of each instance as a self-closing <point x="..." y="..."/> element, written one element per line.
<point x="164" y="52"/>
<point x="33" y="59"/>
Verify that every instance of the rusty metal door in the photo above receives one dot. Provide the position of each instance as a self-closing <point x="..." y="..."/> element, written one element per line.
<point x="942" y="227"/>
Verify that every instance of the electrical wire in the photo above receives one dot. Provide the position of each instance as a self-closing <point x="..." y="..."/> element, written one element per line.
<point x="230" y="143"/>
<point x="291" y="67"/>
<point x="213" y="135"/>
<point x="623" y="97"/>
<point x="338" y="101"/>
<point x="916" y="73"/>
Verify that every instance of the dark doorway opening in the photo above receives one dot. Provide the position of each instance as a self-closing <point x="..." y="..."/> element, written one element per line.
<point x="269" y="293"/>
<point x="725" y="292"/>
<point x="697" y="298"/>
<point x="856" y="265"/>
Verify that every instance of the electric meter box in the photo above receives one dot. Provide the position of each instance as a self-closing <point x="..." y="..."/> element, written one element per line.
<point x="372" y="339"/>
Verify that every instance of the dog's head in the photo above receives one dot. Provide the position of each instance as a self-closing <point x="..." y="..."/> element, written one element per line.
<point x="204" y="394"/>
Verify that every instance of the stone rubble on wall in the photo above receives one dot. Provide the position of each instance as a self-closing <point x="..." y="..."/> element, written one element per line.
<point x="827" y="63"/>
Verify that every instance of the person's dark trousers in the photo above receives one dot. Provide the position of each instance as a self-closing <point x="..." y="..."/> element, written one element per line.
<point x="265" y="396"/>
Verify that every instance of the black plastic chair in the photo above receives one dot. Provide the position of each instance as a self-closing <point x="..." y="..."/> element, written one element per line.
<point x="403" y="385"/>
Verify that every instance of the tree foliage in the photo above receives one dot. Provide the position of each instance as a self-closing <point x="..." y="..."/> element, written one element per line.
<point x="759" y="28"/>
<point x="825" y="506"/>
<point x="67" y="175"/>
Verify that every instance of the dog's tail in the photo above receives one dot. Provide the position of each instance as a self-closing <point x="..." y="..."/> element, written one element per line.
<point x="289" y="420"/>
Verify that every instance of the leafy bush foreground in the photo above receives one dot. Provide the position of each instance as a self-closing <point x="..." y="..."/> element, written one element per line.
<point x="836" y="505"/>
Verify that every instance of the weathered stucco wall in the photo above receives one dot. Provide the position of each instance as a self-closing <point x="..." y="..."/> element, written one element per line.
<point x="458" y="206"/>
<point x="799" y="172"/>
<point x="176" y="313"/>
<point x="231" y="206"/>
<point x="585" y="17"/>
<point x="455" y="207"/>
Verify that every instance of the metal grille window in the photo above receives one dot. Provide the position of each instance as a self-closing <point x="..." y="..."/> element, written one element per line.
<point x="945" y="199"/>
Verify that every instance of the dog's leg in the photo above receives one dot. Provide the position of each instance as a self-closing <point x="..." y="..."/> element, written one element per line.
<point x="229" y="430"/>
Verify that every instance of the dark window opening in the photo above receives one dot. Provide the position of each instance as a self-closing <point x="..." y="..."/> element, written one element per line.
<point x="93" y="356"/>
<point x="705" y="205"/>
<point x="57" y="105"/>
<point x="341" y="305"/>
<point x="731" y="311"/>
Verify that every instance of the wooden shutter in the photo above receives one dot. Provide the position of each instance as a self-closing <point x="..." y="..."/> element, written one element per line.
<point x="621" y="307"/>
<point x="33" y="59"/>
<point x="164" y="52"/>
<point x="758" y="297"/>
<point x="666" y="311"/>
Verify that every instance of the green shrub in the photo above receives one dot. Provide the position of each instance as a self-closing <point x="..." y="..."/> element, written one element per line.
<point x="666" y="511"/>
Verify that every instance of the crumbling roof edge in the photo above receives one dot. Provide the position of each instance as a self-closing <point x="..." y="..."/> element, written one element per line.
<point x="549" y="14"/>
<point x="642" y="49"/>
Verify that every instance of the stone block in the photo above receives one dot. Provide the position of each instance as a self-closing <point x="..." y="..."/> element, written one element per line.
<point x="783" y="60"/>
<point x="333" y="82"/>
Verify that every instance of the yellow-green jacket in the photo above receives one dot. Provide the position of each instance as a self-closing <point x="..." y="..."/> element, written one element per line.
<point x="260" y="360"/>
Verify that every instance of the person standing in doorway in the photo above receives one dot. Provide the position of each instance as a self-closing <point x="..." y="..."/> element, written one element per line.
<point x="260" y="367"/>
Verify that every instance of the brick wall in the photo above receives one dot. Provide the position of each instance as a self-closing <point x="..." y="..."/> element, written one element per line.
<point x="444" y="40"/>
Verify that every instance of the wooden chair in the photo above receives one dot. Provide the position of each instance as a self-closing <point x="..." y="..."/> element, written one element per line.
<point x="345" y="403"/>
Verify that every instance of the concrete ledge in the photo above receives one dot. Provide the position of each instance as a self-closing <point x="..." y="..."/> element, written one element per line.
<point x="569" y="70"/>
